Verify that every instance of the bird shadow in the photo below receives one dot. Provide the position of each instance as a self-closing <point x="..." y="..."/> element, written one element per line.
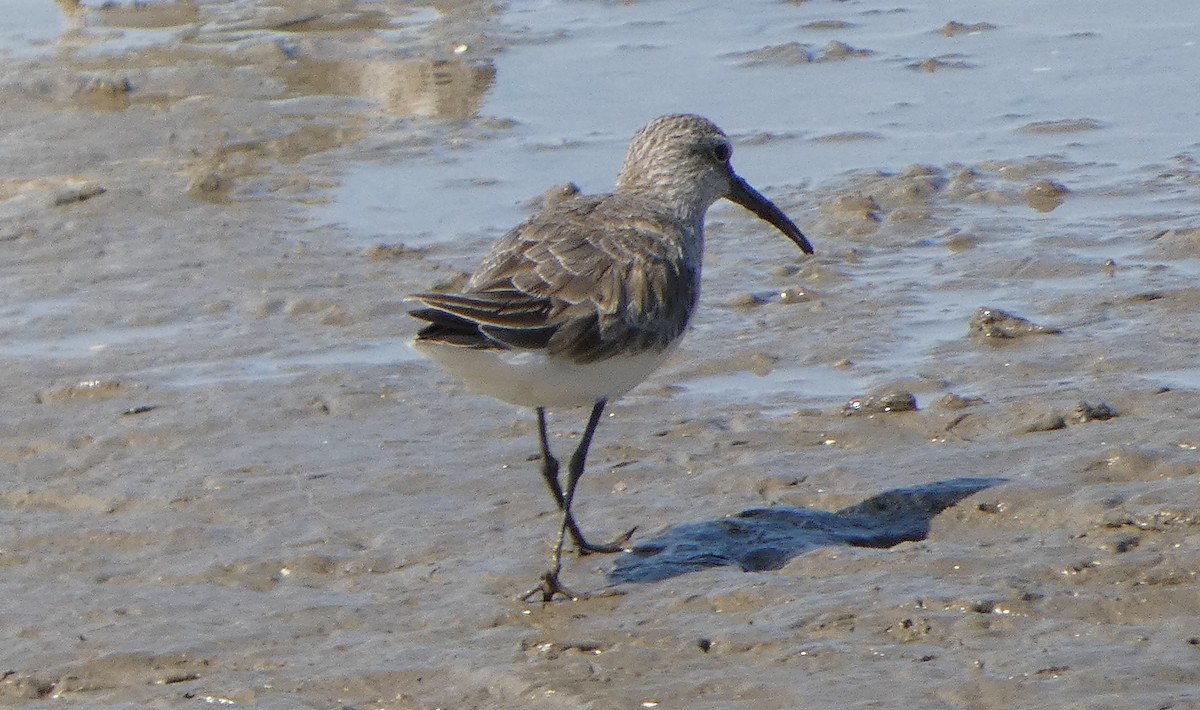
<point x="763" y="539"/>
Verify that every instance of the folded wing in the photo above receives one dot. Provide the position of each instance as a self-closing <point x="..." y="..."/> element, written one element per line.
<point x="556" y="283"/>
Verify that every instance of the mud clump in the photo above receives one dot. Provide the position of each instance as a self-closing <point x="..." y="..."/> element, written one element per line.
<point x="1046" y="421"/>
<point x="837" y="51"/>
<point x="104" y="93"/>
<point x="997" y="324"/>
<point x="954" y="28"/>
<point x="936" y="64"/>
<point x="953" y="401"/>
<point x="1045" y="195"/>
<point x="1085" y="412"/>
<point x="882" y="402"/>
<point x="77" y="193"/>
<point x="1053" y="420"/>
<point x="790" y="53"/>
<point x="1068" y="125"/>
<point x="84" y="389"/>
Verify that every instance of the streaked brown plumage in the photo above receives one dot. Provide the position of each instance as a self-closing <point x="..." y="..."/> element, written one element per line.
<point x="558" y="284"/>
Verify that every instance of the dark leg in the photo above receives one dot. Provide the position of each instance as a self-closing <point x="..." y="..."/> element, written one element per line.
<point x="550" y="475"/>
<point x="549" y="463"/>
<point x="579" y="458"/>
<point x="550" y="585"/>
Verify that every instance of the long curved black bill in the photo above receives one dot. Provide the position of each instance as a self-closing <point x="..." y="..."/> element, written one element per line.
<point x="746" y="196"/>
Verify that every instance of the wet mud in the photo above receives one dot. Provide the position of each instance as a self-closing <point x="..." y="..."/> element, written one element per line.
<point x="227" y="481"/>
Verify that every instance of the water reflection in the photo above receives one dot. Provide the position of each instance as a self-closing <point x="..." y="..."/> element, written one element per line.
<point x="137" y="15"/>
<point x="429" y="88"/>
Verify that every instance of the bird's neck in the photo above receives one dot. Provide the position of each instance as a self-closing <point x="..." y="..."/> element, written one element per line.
<point x="679" y="202"/>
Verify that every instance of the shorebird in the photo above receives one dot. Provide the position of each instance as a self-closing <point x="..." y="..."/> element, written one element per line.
<point x="581" y="302"/>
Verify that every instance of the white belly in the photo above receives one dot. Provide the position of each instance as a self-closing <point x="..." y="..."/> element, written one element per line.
<point x="531" y="379"/>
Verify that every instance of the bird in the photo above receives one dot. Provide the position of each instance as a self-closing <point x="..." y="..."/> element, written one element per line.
<point x="582" y="301"/>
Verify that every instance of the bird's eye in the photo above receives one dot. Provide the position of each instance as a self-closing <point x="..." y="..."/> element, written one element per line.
<point x="722" y="151"/>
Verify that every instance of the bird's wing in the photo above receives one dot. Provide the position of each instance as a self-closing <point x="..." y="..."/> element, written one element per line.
<point x="469" y="318"/>
<point x="586" y="280"/>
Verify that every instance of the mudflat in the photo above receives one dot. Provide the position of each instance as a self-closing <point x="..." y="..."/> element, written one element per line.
<point x="948" y="462"/>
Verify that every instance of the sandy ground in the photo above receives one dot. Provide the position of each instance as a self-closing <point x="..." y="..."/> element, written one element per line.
<point x="227" y="482"/>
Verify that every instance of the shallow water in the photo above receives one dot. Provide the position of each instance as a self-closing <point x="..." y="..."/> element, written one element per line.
<point x="644" y="59"/>
<point x="41" y="28"/>
<point x="30" y="23"/>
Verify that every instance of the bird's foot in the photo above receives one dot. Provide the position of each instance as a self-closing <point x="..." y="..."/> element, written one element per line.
<point x="620" y="544"/>
<point x="549" y="587"/>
